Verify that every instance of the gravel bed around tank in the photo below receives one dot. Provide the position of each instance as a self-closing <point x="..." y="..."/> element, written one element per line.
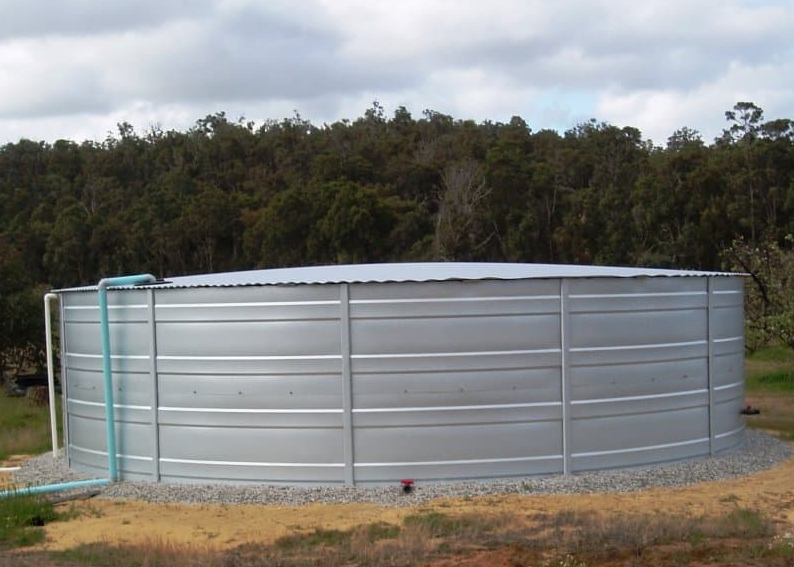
<point x="760" y="451"/>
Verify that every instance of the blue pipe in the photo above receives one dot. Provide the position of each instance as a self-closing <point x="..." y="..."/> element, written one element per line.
<point x="110" y="414"/>
<point x="53" y="487"/>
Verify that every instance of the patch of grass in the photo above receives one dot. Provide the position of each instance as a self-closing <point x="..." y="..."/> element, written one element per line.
<point x="596" y="535"/>
<point x="153" y="553"/>
<point x="382" y="530"/>
<point x="319" y="537"/>
<point x="780" y="380"/>
<point x="745" y="523"/>
<point x="770" y="370"/>
<point x="770" y="387"/>
<point x="24" y="428"/>
<point x="774" y="353"/>
<point x="437" y="524"/>
<point x="21" y="517"/>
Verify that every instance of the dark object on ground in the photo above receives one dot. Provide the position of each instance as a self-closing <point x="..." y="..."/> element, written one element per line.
<point x="408" y="485"/>
<point x="750" y="410"/>
<point x="85" y="495"/>
<point x="18" y="385"/>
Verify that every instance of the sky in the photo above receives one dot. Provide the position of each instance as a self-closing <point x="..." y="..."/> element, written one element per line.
<point x="74" y="69"/>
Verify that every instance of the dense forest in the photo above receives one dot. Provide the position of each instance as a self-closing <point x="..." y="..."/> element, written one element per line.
<point x="227" y="195"/>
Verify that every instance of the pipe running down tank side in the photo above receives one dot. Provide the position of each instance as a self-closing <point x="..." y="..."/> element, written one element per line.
<point x="110" y="416"/>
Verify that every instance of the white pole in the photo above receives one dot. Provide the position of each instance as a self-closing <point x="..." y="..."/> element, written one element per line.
<point x="50" y="372"/>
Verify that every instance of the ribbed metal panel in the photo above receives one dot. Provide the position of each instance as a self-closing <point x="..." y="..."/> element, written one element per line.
<point x="456" y="380"/>
<point x="87" y="444"/>
<point x="728" y="359"/>
<point x="374" y="382"/>
<point x="255" y="375"/>
<point x="639" y="371"/>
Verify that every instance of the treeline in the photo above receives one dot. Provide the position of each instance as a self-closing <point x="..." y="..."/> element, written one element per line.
<point x="227" y="195"/>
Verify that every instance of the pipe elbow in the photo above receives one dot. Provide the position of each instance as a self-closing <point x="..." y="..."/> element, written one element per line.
<point x="105" y="283"/>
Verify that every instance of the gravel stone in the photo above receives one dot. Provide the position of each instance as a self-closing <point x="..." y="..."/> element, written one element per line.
<point x="759" y="452"/>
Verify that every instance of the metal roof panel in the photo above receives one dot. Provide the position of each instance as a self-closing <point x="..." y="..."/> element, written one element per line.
<point x="411" y="272"/>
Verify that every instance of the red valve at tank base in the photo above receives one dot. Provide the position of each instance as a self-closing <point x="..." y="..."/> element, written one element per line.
<point x="408" y="484"/>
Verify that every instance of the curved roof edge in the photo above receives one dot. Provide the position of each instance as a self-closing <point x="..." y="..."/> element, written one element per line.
<point x="411" y="272"/>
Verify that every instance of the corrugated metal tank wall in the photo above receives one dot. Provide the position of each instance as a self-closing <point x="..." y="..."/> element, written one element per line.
<point x="374" y="382"/>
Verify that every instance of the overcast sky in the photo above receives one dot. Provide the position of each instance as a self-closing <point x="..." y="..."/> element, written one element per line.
<point x="73" y="69"/>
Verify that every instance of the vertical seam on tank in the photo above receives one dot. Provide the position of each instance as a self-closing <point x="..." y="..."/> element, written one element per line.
<point x="347" y="384"/>
<point x="64" y="387"/>
<point x="565" y="388"/>
<point x="154" y="392"/>
<point x="710" y="361"/>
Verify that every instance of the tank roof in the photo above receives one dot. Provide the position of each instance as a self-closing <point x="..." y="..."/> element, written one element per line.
<point x="411" y="272"/>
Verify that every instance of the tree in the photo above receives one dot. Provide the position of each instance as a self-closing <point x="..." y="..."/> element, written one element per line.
<point x="67" y="256"/>
<point x="226" y="195"/>
<point x="460" y="232"/>
<point x="745" y="120"/>
<point x="21" y="335"/>
<point x="285" y="233"/>
<point x="356" y="224"/>
<point x="769" y="298"/>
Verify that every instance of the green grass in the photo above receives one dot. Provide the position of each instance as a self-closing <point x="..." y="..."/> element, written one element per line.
<point x="337" y="538"/>
<point x="317" y="538"/>
<point x="770" y="369"/>
<point x="23" y="427"/>
<point x="21" y="517"/>
<point x="770" y="387"/>
<point x="437" y="524"/>
<point x="774" y="353"/>
<point x="155" y="553"/>
<point x="745" y="523"/>
<point x="781" y="381"/>
<point x="382" y="530"/>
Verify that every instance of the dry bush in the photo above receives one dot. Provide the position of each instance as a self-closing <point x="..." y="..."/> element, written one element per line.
<point x="594" y="534"/>
<point x="155" y="552"/>
<point x="422" y="535"/>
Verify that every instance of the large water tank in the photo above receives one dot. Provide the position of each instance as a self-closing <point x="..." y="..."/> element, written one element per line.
<point x="431" y="371"/>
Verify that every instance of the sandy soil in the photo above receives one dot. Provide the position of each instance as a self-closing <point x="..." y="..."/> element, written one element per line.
<point x="216" y="526"/>
<point x="12" y="461"/>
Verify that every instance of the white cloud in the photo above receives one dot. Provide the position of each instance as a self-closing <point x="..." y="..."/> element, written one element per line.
<point x="659" y="113"/>
<point x="47" y="18"/>
<point x="657" y="65"/>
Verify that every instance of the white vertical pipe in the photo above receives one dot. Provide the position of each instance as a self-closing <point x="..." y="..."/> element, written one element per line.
<point x="50" y="371"/>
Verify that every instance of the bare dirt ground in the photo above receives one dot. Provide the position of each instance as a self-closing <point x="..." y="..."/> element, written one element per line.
<point x="223" y="527"/>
